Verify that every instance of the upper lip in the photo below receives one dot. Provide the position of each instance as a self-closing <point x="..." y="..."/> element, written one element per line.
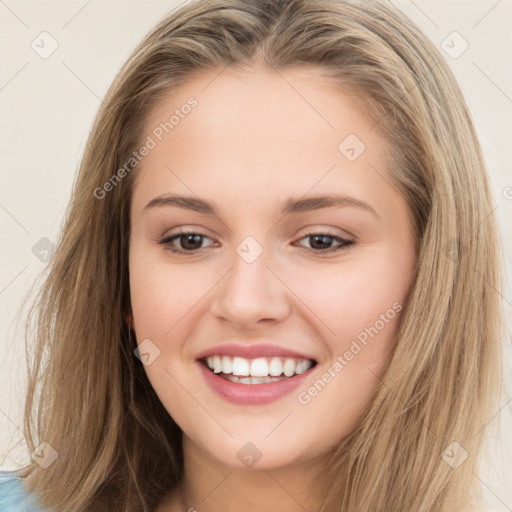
<point x="251" y="351"/>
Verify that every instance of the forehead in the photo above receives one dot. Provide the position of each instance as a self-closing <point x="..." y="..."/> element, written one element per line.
<point x="254" y="133"/>
<point x="260" y="96"/>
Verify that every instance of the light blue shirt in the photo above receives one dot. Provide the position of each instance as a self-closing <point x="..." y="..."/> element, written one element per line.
<point x="13" y="496"/>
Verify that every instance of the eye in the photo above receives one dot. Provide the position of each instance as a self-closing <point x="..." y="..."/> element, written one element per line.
<point x="189" y="240"/>
<point x="319" y="241"/>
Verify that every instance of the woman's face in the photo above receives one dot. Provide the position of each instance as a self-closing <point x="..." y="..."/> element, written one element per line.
<point x="268" y="172"/>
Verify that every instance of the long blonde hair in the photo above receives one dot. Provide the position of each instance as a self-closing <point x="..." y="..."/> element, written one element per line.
<point x="88" y="396"/>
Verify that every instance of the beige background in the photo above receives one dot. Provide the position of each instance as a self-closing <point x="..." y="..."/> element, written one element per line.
<point x="47" y="106"/>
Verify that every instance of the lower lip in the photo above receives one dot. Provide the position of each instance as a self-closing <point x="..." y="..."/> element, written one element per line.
<point x="252" y="394"/>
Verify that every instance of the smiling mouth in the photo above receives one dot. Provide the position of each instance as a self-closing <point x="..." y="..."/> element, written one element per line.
<point x="260" y="370"/>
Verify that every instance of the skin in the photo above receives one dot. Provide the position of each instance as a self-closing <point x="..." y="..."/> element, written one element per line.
<point x="252" y="142"/>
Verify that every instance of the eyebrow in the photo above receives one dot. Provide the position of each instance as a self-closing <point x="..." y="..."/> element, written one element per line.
<point x="291" y="205"/>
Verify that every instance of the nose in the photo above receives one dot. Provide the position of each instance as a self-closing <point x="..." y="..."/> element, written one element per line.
<point x="251" y="294"/>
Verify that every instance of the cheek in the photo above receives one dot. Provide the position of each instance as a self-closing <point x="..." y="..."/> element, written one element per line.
<point x="162" y="294"/>
<point x="361" y="351"/>
<point x="363" y="306"/>
<point x="348" y="298"/>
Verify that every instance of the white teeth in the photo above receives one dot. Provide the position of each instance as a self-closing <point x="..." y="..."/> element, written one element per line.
<point x="289" y="367"/>
<point x="302" y="366"/>
<point x="253" y="380"/>
<point x="240" y="366"/>
<point x="227" y="366"/>
<point x="276" y="367"/>
<point x="257" y="369"/>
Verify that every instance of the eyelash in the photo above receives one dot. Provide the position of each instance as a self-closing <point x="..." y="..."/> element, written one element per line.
<point x="344" y="243"/>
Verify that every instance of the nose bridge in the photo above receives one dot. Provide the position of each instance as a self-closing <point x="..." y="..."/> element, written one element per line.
<point x="250" y="291"/>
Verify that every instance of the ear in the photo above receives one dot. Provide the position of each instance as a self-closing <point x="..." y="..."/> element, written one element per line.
<point x="128" y="318"/>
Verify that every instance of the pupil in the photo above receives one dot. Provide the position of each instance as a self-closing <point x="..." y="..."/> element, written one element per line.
<point x="189" y="238"/>
<point x="315" y="237"/>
